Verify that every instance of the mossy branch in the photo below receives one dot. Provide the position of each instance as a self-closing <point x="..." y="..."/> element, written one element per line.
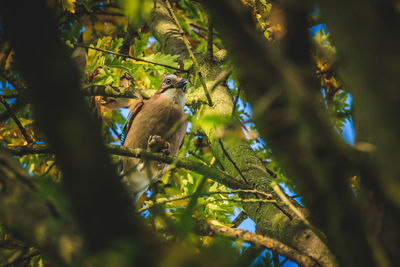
<point x="214" y="228"/>
<point x="195" y="166"/>
<point x="196" y="64"/>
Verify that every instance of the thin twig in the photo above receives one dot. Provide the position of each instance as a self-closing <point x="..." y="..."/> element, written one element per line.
<point x="239" y="219"/>
<point x="130" y="57"/>
<point x="201" y="28"/>
<point x="284" y="261"/>
<point x="186" y="42"/>
<point x="270" y="172"/>
<point x="50" y="167"/>
<point x="332" y="93"/>
<point x="231" y="160"/>
<point x="107" y="13"/>
<point x="16" y="120"/>
<point x="275" y="259"/>
<point x="235" y="102"/>
<point x="285" y="200"/>
<point x="9" y="96"/>
<point x="112" y="91"/>
<point x="268" y="196"/>
<point x="18" y="104"/>
<point x="246" y="200"/>
<point x="114" y="130"/>
<point x="22" y="258"/>
<point x="210" y="37"/>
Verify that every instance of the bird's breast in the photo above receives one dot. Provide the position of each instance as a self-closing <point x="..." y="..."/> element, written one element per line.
<point x="157" y="116"/>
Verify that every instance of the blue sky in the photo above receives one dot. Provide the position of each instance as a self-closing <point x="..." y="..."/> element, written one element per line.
<point x="248" y="224"/>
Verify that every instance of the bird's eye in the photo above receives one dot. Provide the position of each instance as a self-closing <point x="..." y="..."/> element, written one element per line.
<point x="167" y="81"/>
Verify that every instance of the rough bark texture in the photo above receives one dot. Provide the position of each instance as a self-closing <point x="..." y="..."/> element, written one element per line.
<point x="269" y="219"/>
<point x="259" y="240"/>
<point x="290" y="115"/>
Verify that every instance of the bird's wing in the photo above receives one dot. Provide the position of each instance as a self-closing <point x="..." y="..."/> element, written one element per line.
<point x="134" y="110"/>
<point x="182" y="134"/>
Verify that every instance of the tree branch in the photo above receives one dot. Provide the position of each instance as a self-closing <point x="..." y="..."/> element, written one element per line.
<point x="231" y="160"/>
<point x="195" y="166"/>
<point x="239" y="219"/>
<point x="165" y="201"/>
<point x="16" y="120"/>
<point x="214" y="228"/>
<point x="321" y="167"/>
<point x="269" y="218"/>
<point x="18" y="104"/>
<point x="130" y="57"/>
<point x="210" y="43"/>
<point x="236" y="100"/>
<point x="196" y="64"/>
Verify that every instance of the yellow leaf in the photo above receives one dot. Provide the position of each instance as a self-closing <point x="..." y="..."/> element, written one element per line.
<point x="207" y="240"/>
<point x="68" y="5"/>
<point x="9" y="60"/>
<point x="25" y="122"/>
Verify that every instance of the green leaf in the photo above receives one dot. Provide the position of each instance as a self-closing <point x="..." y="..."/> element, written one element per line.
<point x="165" y="59"/>
<point x="136" y="11"/>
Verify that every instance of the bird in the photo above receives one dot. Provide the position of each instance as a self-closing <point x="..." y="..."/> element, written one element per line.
<point x="158" y="125"/>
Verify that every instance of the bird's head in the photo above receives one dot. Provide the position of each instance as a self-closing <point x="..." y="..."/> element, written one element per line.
<point x="173" y="88"/>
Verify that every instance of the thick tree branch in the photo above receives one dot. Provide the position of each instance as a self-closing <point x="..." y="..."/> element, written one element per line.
<point x="239" y="219"/>
<point x="270" y="219"/>
<point x="296" y="125"/>
<point x="214" y="228"/>
<point x="195" y="166"/>
<point x="111" y="91"/>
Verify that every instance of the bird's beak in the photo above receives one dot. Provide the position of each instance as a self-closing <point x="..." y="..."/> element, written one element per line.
<point x="181" y="84"/>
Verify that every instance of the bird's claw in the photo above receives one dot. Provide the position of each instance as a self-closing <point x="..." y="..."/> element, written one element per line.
<point x="157" y="144"/>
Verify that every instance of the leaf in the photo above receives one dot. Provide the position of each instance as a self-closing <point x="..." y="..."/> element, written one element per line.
<point x="69" y="5"/>
<point x="25" y="122"/>
<point x="136" y="11"/>
<point x="166" y="59"/>
<point x="214" y="207"/>
<point x="140" y="44"/>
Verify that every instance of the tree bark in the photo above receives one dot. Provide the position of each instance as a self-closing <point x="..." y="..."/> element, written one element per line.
<point x="290" y="115"/>
<point x="269" y="219"/>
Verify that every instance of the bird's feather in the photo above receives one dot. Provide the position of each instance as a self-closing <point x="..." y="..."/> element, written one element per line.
<point x="156" y="116"/>
<point x="134" y="110"/>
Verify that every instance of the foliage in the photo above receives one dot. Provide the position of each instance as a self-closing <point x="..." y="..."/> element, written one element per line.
<point x="103" y="25"/>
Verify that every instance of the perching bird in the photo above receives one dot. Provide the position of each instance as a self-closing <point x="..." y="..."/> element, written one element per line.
<point x="157" y="124"/>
